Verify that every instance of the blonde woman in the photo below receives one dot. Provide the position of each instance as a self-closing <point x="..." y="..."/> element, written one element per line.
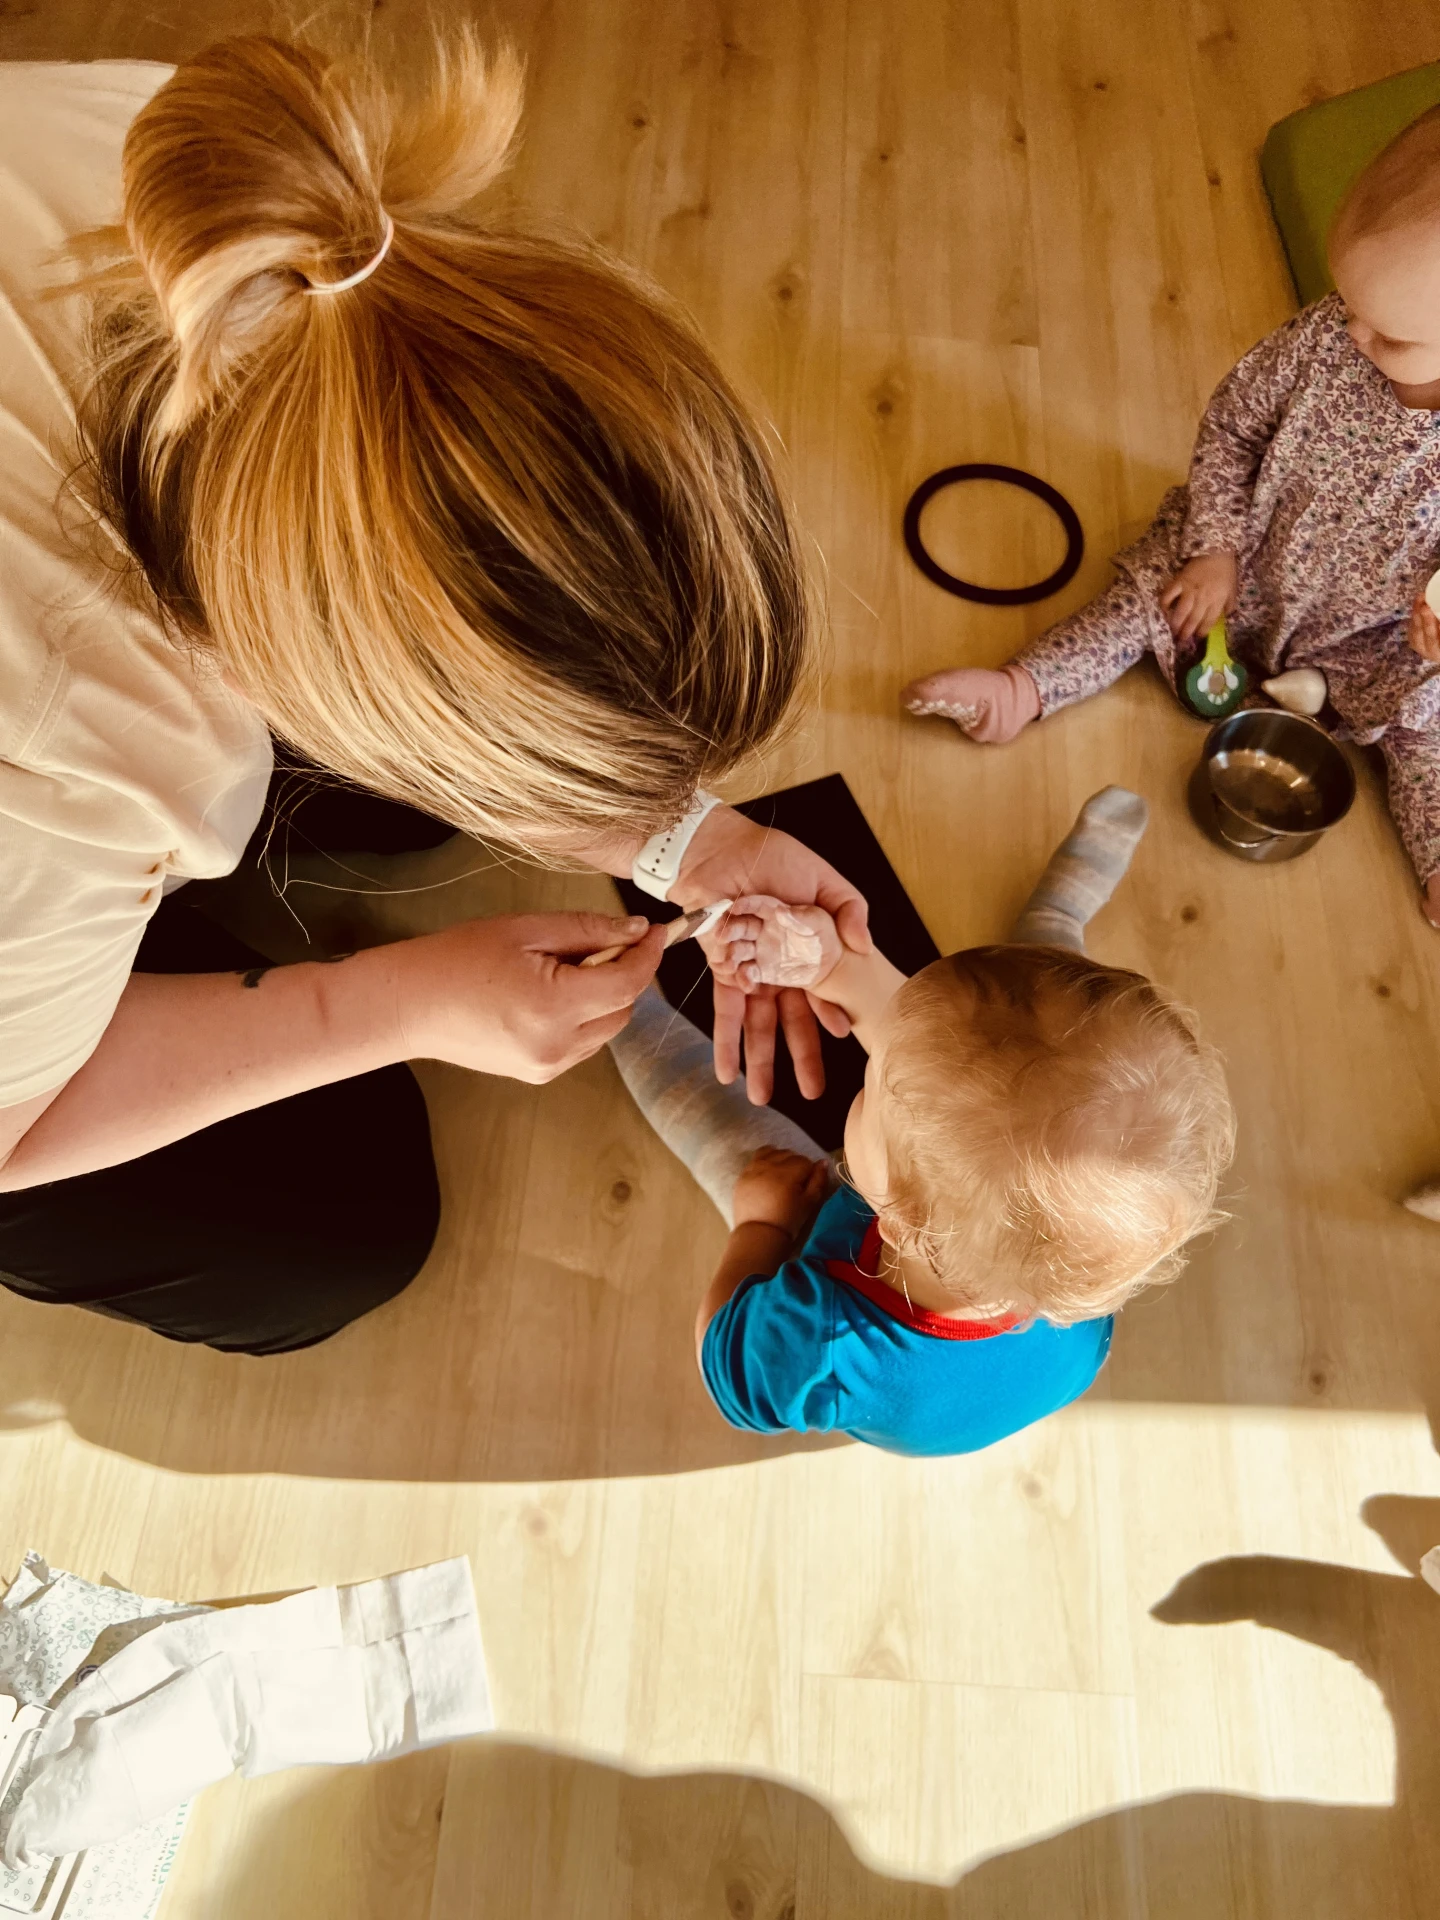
<point x="467" y="515"/>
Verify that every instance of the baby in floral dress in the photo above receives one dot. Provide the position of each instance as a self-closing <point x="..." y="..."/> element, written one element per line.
<point x="1311" y="518"/>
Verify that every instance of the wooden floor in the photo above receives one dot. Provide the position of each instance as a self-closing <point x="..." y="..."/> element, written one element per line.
<point x="1164" y="1658"/>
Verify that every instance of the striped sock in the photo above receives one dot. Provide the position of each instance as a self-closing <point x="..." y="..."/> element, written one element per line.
<point x="669" y="1067"/>
<point x="1084" y="871"/>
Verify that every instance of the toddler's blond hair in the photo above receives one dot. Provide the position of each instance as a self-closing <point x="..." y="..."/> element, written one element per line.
<point x="1055" y="1131"/>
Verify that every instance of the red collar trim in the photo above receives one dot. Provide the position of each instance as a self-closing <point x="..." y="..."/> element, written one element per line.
<point x="859" y="1274"/>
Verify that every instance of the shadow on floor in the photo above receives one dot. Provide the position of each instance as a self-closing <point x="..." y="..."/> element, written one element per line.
<point x="549" y="1336"/>
<point x="536" y="1835"/>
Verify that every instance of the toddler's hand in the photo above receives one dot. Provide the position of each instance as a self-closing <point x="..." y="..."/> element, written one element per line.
<point x="1424" y="633"/>
<point x="1204" y="588"/>
<point x="764" y="942"/>
<point x="779" y="1189"/>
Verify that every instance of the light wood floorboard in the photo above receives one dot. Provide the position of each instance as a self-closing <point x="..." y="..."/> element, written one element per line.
<point x="1164" y="1658"/>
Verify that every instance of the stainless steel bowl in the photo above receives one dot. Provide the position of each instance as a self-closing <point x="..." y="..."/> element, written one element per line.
<point x="1269" y="784"/>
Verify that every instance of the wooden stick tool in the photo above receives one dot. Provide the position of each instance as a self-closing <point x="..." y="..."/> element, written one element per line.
<point x="698" y="920"/>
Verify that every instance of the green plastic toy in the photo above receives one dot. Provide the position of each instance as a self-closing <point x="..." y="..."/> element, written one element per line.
<point x="1216" y="684"/>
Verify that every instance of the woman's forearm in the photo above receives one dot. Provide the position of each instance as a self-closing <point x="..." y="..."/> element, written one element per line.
<point x="183" y="1051"/>
<point x="614" y="854"/>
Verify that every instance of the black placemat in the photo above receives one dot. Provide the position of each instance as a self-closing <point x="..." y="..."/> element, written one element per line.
<point x="824" y="815"/>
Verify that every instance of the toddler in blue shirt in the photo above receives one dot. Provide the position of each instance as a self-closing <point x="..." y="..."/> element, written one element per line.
<point x="1038" y="1137"/>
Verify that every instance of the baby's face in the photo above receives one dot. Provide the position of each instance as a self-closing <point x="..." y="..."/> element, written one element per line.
<point x="1391" y="284"/>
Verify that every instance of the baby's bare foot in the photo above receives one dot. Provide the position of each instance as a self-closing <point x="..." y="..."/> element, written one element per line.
<point x="991" y="705"/>
<point x="1430" y="900"/>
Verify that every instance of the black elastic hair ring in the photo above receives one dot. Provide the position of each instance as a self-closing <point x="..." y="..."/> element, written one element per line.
<point x="1014" y="477"/>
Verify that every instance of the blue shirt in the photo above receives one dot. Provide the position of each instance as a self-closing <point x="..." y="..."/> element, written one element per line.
<point x="824" y="1347"/>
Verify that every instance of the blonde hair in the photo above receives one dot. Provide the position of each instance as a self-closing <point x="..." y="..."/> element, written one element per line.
<point x="490" y="532"/>
<point x="1055" y="1131"/>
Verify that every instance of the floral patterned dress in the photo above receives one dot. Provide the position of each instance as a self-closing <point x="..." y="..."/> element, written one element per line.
<point x="1327" y="489"/>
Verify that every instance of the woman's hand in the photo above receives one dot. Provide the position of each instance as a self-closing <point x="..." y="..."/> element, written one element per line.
<point x="504" y="996"/>
<point x="731" y="856"/>
<point x="1424" y="633"/>
<point x="1204" y="588"/>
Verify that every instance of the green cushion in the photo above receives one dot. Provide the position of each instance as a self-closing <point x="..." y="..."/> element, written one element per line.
<point x="1310" y="158"/>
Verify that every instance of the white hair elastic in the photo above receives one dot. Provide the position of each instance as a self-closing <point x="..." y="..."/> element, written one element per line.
<point x="362" y="273"/>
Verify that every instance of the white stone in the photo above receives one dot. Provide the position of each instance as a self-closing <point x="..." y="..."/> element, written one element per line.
<point x="1301" y="690"/>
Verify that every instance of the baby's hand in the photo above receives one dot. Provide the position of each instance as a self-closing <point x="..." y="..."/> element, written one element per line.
<point x="767" y="943"/>
<point x="1424" y="634"/>
<point x="779" y="1189"/>
<point x="1204" y="588"/>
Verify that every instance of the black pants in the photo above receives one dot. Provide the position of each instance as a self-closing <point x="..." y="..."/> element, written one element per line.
<point x="271" y="1230"/>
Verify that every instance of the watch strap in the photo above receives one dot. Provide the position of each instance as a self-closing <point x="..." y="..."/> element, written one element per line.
<point x="657" y="865"/>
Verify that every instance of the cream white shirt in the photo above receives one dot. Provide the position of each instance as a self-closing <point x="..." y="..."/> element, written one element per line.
<point x="126" y="766"/>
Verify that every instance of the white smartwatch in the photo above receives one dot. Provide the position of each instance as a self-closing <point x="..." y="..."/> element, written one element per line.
<point x="657" y="864"/>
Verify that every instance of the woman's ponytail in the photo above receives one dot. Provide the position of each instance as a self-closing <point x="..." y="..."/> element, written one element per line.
<point x="264" y="169"/>
<point x="487" y="531"/>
